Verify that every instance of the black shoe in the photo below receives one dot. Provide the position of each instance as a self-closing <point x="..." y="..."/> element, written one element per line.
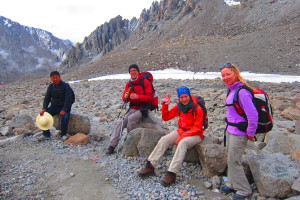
<point x="110" y="150"/>
<point x="238" y="197"/>
<point x="226" y="189"/>
<point x="43" y="138"/>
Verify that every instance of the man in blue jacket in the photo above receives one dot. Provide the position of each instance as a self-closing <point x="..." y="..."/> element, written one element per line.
<point x="61" y="97"/>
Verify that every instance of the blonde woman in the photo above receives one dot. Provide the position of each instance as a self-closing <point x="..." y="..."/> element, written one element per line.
<point x="236" y="140"/>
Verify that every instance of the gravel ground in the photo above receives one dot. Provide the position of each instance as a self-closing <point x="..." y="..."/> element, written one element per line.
<point x="53" y="170"/>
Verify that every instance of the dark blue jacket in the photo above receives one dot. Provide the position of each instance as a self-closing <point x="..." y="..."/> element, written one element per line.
<point x="59" y="96"/>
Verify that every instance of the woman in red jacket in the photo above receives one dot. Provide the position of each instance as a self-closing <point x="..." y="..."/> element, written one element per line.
<point x="189" y="133"/>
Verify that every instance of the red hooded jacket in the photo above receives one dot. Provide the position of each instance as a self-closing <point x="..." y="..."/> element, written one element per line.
<point x="145" y="95"/>
<point x="190" y="123"/>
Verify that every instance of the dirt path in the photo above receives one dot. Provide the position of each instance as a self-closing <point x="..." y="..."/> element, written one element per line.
<point x="37" y="172"/>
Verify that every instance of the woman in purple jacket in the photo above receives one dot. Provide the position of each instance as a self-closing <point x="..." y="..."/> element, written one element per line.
<point x="236" y="140"/>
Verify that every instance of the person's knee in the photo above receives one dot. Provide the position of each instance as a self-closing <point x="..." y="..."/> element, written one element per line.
<point x="182" y="145"/>
<point x="163" y="139"/>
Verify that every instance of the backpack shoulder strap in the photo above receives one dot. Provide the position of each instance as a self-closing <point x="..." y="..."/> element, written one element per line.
<point x="142" y="83"/>
<point x="236" y="104"/>
<point x="236" y="94"/>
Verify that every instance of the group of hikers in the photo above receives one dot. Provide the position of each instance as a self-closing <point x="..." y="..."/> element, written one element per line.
<point x="190" y="123"/>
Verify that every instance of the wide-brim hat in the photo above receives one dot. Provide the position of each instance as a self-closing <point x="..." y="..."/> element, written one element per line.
<point x="44" y="122"/>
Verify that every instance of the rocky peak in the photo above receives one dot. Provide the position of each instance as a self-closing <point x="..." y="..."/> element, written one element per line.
<point x="105" y="38"/>
<point x="109" y="35"/>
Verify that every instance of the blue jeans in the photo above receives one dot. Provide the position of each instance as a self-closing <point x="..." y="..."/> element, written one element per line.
<point x="64" y="120"/>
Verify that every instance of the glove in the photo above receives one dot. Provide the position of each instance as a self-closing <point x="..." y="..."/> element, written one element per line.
<point x="42" y="112"/>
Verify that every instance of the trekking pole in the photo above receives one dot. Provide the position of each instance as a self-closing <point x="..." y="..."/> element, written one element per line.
<point x="117" y="152"/>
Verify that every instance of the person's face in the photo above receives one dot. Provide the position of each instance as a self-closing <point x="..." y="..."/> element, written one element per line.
<point x="184" y="99"/>
<point x="134" y="73"/>
<point x="55" y="79"/>
<point x="229" y="77"/>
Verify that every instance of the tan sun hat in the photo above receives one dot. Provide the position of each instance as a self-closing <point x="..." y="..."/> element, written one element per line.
<point x="44" y="122"/>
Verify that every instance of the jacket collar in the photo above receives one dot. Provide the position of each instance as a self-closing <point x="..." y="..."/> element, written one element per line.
<point x="137" y="81"/>
<point x="235" y="85"/>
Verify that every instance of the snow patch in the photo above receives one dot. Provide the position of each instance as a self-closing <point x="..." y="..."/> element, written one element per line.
<point x="232" y="2"/>
<point x="183" y="75"/>
<point x="6" y="23"/>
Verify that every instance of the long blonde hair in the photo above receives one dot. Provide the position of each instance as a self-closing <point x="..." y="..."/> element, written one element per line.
<point x="236" y="70"/>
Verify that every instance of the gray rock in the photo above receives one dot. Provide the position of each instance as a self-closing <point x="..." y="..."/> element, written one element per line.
<point x="140" y="142"/>
<point x="191" y="156"/>
<point x="6" y="130"/>
<point x="277" y="142"/>
<point x="21" y="121"/>
<point x="286" y="143"/>
<point x="213" y="159"/>
<point x="296" y="185"/>
<point x="277" y="169"/>
<point x="77" y="124"/>
<point x="288" y="125"/>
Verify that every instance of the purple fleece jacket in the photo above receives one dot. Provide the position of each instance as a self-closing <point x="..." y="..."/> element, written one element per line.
<point x="246" y="103"/>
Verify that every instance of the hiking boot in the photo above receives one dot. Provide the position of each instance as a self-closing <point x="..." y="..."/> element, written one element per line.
<point x="226" y="189"/>
<point x="110" y="150"/>
<point x="148" y="170"/>
<point x="168" y="179"/>
<point x="238" y="197"/>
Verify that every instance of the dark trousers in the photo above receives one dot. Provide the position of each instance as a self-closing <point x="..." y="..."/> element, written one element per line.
<point x="64" y="120"/>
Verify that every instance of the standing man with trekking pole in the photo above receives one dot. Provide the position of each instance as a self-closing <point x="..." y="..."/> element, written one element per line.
<point x="139" y="98"/>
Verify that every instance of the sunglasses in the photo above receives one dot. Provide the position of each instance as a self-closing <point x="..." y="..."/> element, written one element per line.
<point x="226" y="65"/>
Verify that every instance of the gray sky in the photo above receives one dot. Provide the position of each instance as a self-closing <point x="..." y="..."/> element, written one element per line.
<point x="70" y="19"/>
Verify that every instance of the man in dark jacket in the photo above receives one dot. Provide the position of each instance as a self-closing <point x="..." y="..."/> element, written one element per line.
<point x="137" y="96"/>
<point x="61" y="97"/>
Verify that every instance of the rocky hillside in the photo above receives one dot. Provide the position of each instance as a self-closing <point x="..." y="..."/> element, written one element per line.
<point x="257" y="35"/>
<point x="26" y="50"/>
<point x="105" y="38"/>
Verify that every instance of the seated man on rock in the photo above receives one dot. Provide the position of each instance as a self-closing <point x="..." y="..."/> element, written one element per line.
<point x="61" y="97"/>
<point x="189" y="134"/>
<point x="138" y="96"/>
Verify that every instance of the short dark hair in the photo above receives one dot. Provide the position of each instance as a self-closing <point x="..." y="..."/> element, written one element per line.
<point x="54" y="73"/>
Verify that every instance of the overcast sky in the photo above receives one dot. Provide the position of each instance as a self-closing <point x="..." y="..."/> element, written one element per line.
<point x="70" y="19"/>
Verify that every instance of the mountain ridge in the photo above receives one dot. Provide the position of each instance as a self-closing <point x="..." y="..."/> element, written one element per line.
<point x="26" y="50"/>
<point x="258" y="36"/>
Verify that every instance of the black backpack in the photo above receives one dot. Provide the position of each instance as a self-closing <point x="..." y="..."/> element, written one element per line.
<point x="201" y="103"/>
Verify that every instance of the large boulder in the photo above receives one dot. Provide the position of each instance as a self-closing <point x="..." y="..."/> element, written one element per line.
<point x="192" y="156"/>
<point x="274" y="174"/>
<point x="141" y="141"/>
<point x="286" y="143"/>
<point x="22" y="121"/>
<point x="212" y="156"/>
<point x="77" y="124"/>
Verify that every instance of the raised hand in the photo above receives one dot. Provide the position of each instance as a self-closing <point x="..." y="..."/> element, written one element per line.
<point x="167" y="99"/>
